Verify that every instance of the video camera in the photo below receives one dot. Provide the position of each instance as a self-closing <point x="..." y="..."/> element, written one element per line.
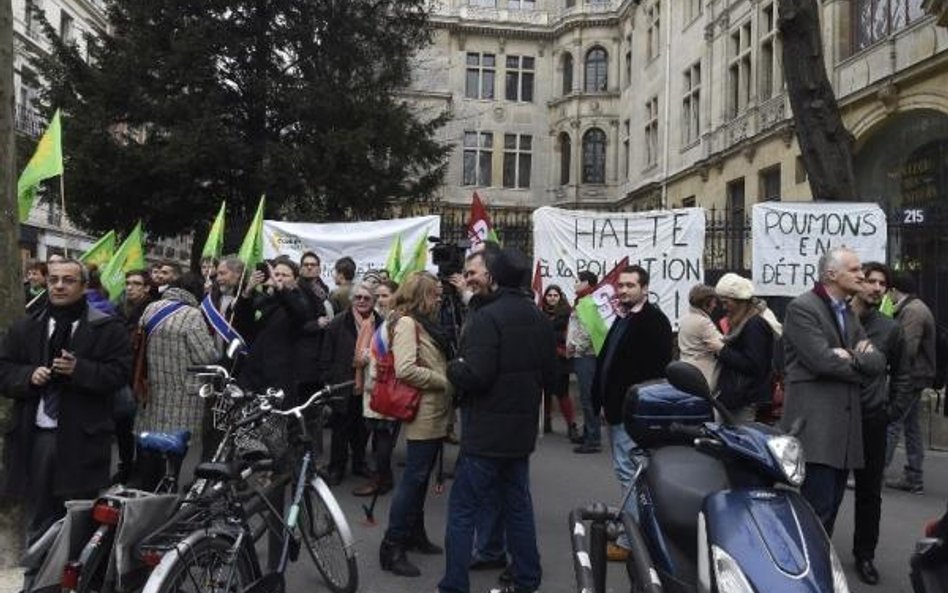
<point x="449" y="257"/>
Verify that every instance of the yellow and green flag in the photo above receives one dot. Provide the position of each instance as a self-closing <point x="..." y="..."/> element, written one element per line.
<point x="394" y="262"/>
<point x="251" y="250"/>
<point x="129" y="256"/>
<point x="215" y="237"/>
<point x="101" y="252"/>
<point x="46" y="162"/>
<point x="418" y="260"/>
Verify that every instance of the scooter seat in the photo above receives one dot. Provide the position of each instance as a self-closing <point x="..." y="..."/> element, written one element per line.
<point x="679" y="479"/>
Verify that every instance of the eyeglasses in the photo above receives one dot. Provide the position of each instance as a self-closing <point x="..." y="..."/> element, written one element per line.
<point x="362" y="297"/>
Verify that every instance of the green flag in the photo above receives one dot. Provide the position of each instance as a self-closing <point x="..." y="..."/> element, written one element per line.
<point x="596" y="311"/>
<point x="100" y="253"/>
<point x="46" y="162"/>
<point x="887" y="307"/>
<point x="394" y="262"/>
<point x="251" y="250"/>
<point x="129" y="256"/>
<point x="418" y="260"/>
<point x="215" y="237"/>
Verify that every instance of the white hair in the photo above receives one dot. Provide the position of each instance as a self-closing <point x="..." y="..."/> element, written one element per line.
<point x="832" y="260"/>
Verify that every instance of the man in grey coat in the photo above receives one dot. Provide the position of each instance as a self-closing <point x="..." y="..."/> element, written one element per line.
<point x="828" y="359"/>
<point x="918" y="323"/>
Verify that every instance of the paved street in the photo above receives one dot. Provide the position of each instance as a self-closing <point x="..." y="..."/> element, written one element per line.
<point x="562" y="480"/>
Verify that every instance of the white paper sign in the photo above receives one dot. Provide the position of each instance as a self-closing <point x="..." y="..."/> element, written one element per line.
<point x="368" y="243"/>
<point x="669" y="244"/>
<point x="789" y="238"/>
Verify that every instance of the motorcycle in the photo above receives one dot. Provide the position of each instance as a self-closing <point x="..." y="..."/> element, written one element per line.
<point x="929" y="563"/>
<point x="714" y="505"/>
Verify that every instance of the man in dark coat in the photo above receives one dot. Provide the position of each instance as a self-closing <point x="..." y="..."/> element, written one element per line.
<point x="637" y="348"/>
<point x="61" y="369"/>
<point x="828" y="359"/>
<point x="882" y="398"/>
<point x="507" y="358"/>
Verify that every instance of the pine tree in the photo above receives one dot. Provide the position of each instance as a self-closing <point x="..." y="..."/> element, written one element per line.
<point x="188" y="103"/>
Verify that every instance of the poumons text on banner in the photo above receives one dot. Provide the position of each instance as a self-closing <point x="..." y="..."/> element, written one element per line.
<point x="101" y="252"/>
<point x="597" y="310"/>
<point x="214" y="245"/>
<point x="479" y="228"/>
<point x="129" y="256"/>
<point x="46" y="162"/>
<point x="251" y="250"/>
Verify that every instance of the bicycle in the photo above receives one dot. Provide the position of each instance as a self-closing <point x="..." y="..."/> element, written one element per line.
<point x="218" y="555"/>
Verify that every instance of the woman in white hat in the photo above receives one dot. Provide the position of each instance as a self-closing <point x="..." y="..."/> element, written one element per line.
<point x="745" y="356"/>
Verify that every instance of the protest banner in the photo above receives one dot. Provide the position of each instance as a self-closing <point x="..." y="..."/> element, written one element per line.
<point x="669" y="244"/>
<point x="368" y="243"/>
<point x="789" y="238"/>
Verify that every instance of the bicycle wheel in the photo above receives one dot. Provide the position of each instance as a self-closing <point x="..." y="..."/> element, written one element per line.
<point x="327" y="537"/>
<point x="208" y="566"/>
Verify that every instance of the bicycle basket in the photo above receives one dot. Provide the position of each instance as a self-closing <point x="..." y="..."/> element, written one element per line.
<point x="268" y="436"/>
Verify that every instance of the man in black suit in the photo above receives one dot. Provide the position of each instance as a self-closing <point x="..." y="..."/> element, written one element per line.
<point x="638" y="347"/>
<point x="61" y="369"/>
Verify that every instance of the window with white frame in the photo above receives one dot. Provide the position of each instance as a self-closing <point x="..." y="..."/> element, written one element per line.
<point x="770" y="184"/>
<point x="874" y="20"/>
<point x="31" y="18"/>
<point x="567" y="73"/>
<point x="594" y="156"/>
<point x="691" y="104"/>
<point x="520" y="72"/>
<point x="478" y="154"/>
<point x="485" y="3"/>
<point x="566" y="158"/>
<point x="770" y="63"/>
<point x="597" y="70"/>
<point x="739" y="70"/>
<point x="67" y="27"/>
<point x="479" y="83"/>
<point x="626" y="145"/>
<point x="651" y="131"/>
<point x="521" y="4"/>
<point x="517" y="160"/>
<point x="653" y="30"/>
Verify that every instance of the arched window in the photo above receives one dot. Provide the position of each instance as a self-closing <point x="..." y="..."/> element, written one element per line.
<point x="567" y="73"/>
<point x="594" y="156"/>
<point x="566" y="157"/>
<point x="597" y="64"/>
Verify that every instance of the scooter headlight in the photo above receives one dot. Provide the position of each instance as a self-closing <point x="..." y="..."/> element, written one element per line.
<point x="788" y="452"/>
<point x="727" y="574"/>
<point x="839" y="577"/>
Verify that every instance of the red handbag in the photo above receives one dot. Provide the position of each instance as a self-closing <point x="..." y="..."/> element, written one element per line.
<point x="391" y="396"/>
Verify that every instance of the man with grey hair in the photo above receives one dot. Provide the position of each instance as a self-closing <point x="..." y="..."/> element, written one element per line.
<point x="828" y="359"/>
<point x="61" y="368"/>
<point x="236" y="308"/>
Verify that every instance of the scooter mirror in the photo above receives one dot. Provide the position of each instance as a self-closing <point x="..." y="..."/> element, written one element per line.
<point x="687" y="377"/>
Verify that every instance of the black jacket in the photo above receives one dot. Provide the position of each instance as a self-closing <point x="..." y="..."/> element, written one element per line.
<point x="309" y="347"/>
<point x="84" y="436"/>
<point x="643" y="352"/>
<point x="339" y="347"/>
<point x="890" y="392"/>
<point x="507" y="357"/>
<point x="747" y="365"/>
<point x="272" y="358"/>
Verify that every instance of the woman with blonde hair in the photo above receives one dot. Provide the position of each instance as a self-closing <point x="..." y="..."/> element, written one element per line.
<point x="420" y="351"/>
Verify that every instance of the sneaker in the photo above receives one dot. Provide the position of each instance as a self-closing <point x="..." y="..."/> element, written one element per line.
<point x="616" y="553"/>
<point x="586" y="448"/>
<point x="906" y="486"/>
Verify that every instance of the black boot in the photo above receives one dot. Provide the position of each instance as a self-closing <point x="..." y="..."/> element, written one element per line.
<point x="392" y="558"/>
<point x="573" y="433"/>
<point x="421" y="544"/>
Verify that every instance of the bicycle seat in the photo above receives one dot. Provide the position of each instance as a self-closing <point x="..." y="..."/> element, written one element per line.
<point x="165" y="442"/>
<point x="219" y="472"/>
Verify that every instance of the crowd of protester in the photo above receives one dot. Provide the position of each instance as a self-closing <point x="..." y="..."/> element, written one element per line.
<point x="499" y="358"/>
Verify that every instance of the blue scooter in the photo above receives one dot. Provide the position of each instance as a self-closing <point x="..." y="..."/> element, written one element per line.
<point x="713" y="512"/>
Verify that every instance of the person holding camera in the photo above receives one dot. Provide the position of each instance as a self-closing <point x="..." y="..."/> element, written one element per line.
<point x="507" y="358"/>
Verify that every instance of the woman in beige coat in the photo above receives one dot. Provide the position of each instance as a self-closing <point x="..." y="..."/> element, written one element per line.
<point x="420" y="351"/>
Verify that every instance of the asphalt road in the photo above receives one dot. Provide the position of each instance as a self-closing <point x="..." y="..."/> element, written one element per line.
<point x="562" y="480"/>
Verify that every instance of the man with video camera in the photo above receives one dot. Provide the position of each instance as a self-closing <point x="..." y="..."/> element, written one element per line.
<point x="507" y="357"/>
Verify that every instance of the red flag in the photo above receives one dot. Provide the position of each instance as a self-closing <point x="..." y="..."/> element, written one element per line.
<point x="479" y="228"/>
<point x="598" y="308"/>
<point x="537" y="284"/>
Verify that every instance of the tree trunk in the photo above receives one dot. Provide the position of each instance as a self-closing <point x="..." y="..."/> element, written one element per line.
<point x="11" y="289"/>
<point x="826" y="145"/>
